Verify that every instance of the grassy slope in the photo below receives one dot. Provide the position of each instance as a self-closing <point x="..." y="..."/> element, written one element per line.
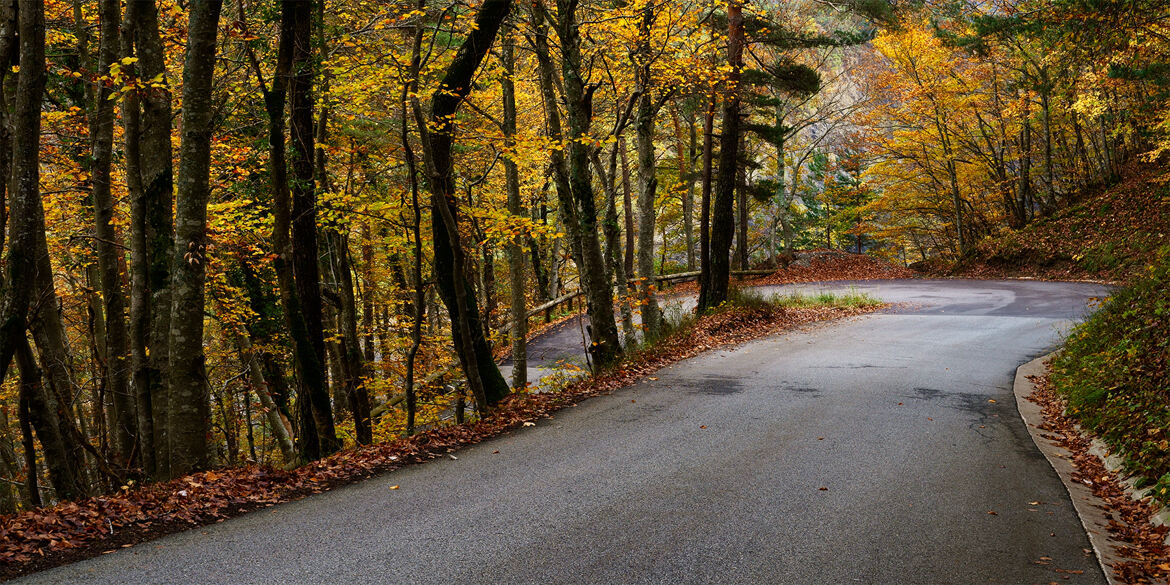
<point x="1115" y="374"/>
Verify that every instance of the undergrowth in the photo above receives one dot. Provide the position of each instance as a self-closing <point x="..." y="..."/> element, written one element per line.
<point x="1115" y="374"/>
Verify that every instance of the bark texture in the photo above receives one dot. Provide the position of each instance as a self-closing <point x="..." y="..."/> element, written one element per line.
<point x="188" y="412"/>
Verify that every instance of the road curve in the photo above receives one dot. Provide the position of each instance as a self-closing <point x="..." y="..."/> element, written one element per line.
<point x="884" y="449"/>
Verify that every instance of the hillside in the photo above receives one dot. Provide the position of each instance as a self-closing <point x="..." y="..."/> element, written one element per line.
<point x="1114" y="234"/>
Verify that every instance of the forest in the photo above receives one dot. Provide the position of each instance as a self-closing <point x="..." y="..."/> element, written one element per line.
<point x="261" y="232"/>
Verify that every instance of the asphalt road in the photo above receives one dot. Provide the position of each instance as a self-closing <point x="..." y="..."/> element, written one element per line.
<point x="883" y="449"/>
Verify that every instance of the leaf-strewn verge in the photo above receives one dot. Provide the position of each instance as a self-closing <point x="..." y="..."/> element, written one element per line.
<point x="1148" y="558"/>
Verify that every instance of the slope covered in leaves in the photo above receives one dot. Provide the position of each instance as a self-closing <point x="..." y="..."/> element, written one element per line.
<point x="1112" y="234"/>
<point x="826" y="265"/>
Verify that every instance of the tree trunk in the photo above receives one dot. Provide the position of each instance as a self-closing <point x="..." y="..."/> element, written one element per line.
<point x="628" y="205"/>
<point x="516" y="281"/>
<point x="560" y="168"/>
<point x="28" y="268"/>
<point x="483" y="377"/>
<point x="25" y="196"/>
<point x="47" y="416"/>
<point x="152" y="237"/>
<point x="647" y="195"/>
<point x="647" y="178"/>
<point x="47" y="325"/>
<point x="281" y="429"/>
<point x="713" y="288"/>
<point x="604" y="346"/>
<point x="310" y="371"/>
<point x="138" y="334"/>
<point x="108" y="251"/>
<point x="305" y="267"/>
<point x="8" y="55"/>
<point x="705" y="197"/>
<point x="741" y="207"/>
<point x="188" y="412"/>
<point x="419" y="304"/>
<point x="353" y="363"/>
<point x="1024" y="184"/>
<point x="686" y="156"/>
<point x="1049" y="171"/>
<point x="627" y="272"/>
<point x="32" y="476"/>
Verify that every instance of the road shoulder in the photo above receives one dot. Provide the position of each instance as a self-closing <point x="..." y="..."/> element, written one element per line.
<point x="1090" y="508"/>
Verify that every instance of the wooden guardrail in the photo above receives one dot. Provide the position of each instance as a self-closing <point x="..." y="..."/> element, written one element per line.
<point x="546" y="308"/>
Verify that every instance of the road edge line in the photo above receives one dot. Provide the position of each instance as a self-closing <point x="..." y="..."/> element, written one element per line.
<point x="1089" y="508"/>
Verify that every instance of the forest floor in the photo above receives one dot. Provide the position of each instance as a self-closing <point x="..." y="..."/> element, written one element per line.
<point x="1111" y="234"/>
<point x="44" y="538"/>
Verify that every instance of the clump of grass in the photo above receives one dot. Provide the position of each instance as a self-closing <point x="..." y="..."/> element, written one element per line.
<point x="749" y="298"/>
<point x="674" y="319"/>
<point x="852" y="299"/>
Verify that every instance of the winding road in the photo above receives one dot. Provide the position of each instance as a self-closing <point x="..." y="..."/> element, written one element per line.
<point x="883" y="449"/>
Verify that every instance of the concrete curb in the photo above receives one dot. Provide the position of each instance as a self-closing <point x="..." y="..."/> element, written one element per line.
<point x="1089" y="507"/>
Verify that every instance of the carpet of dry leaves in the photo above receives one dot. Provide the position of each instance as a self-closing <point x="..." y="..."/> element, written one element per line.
<point x="819" y="265"/>
<point x="1147" y="557"/>
<point x="828" y="265"/>
<point x="44" y="538"/>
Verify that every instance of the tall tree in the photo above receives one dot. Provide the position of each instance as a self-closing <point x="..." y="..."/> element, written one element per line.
<point x="28" y="258"/>
<point x="117" y="368"/>
<point x="451" y="276"/>
<point x="647" y="174"/>
<point x="188" y="416"/>
<point x="716" y="273"/>
<point x="305" y="262"/>
<point x="519" y="333"/>
<point x="24" y="165"/>
<point x="150" y="170"/>
<point x="605" y="345"/>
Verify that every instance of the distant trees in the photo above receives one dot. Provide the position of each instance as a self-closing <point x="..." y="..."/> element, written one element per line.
<point x="987" y="121"/>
